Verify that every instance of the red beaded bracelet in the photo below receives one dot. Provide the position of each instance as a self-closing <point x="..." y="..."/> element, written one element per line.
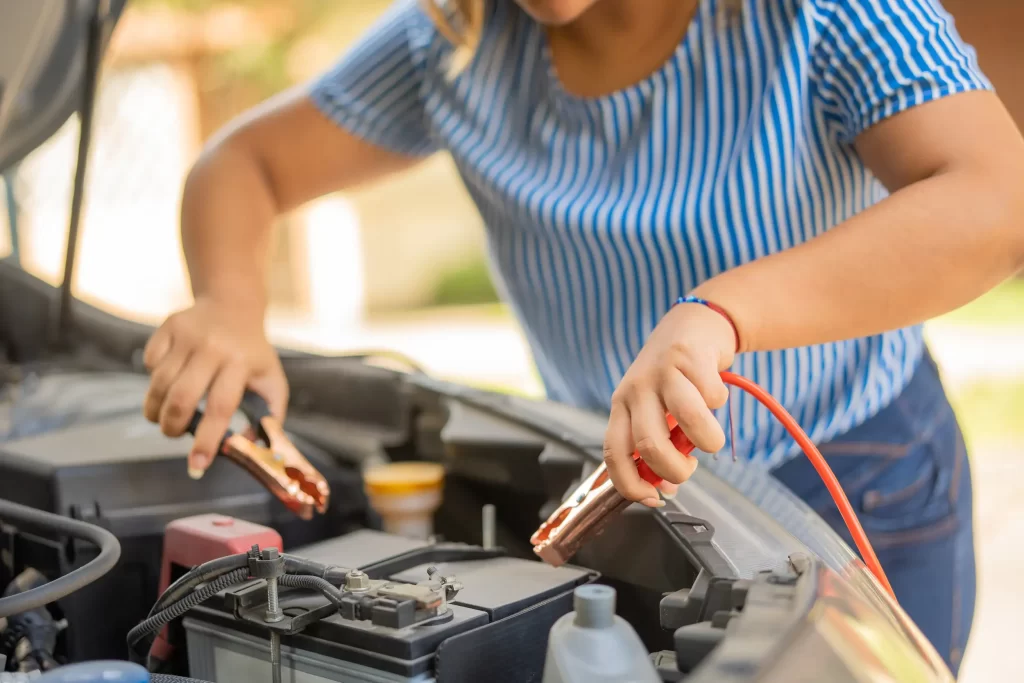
<point x="717" y="309"/>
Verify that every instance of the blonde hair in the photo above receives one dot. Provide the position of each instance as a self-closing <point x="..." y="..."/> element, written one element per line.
<point x="461" y="22"/>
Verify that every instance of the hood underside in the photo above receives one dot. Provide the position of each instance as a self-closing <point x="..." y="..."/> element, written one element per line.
<point x="43" y="48"/>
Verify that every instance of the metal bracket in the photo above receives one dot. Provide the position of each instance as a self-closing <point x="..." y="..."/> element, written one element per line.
<point x="695" y="536"/>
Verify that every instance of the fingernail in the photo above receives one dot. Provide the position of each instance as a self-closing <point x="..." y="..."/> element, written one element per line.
<point x="653" y="502"/>
<point x="669" y="490"/>
<point x="197" y="464"/>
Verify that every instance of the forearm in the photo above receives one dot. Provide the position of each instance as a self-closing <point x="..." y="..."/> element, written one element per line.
<point x="927" y="249"/>
<point x="228" y="210"/>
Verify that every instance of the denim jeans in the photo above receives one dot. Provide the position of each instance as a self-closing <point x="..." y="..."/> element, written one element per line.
<point x="907" y="475"/>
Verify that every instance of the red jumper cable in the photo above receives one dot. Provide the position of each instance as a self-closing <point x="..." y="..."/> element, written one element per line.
<point x="594" y="502"/>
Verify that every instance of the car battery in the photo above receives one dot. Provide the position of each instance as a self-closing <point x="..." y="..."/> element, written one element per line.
<point x="504" y="606"/>
<point x="87" y="452"/>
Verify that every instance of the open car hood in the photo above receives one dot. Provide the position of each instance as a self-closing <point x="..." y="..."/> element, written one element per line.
<point x="43" y="56"/>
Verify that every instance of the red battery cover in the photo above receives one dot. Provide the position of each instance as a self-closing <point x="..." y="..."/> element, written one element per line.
<point x="191" y="541"/>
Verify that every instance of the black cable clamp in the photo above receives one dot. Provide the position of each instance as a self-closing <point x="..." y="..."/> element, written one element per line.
<point x="266" y="565"/>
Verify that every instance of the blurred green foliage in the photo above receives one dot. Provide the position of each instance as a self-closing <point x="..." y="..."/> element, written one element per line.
<point x="1004" y="305"/>
<point x="990" y="412"/>
<point x="263" y="64"/>
<point x="469" y="283"/>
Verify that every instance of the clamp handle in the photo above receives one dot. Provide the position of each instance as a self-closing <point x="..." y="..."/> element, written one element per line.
<point x="679" y="441"/>
<point x="253" y="406"/>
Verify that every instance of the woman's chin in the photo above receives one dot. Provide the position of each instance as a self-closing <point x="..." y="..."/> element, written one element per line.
<point x="556" y="12"/>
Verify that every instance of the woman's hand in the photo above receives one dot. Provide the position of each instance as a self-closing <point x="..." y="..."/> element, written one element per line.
<point x="676" y="372"/>
<point x="214" y="350"/>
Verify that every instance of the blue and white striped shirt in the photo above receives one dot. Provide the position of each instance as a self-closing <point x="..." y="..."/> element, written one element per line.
<point x="601" y="211"/>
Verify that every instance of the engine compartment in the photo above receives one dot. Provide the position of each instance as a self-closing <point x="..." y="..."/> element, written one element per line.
<point x="73" y="443"/>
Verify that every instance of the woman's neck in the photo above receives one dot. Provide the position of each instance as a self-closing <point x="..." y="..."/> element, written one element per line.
<point x="617" y="43"/>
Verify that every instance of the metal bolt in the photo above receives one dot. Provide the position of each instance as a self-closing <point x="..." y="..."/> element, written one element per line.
<point x="274" y="613"/>
<point x="275" y="657"/>
<point x="357" y="580"/>
<point x="488" y="527"/>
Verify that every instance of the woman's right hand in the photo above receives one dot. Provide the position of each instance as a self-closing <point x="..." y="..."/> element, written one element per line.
<point x="216" y="350"/>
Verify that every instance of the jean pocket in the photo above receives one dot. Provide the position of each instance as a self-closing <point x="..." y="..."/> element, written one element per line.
<point x="902" y="488"/>
<point x="907" y="494"/>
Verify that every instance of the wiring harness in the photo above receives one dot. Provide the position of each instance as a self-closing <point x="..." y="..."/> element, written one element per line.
<point x="210" y="578"/>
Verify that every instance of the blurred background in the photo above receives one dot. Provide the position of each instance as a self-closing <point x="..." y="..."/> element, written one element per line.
<point x="401" y="265"/>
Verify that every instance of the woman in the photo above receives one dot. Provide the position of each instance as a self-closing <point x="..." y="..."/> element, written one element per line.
<point x="824" y="174"/>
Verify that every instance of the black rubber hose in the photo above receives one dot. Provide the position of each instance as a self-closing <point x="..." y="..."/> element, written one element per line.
<point x="203" y="573"/>
<point x="334" y="575"/>
<point x="156" y="622"/>
<point x="110" y="552"/>
<point x="313" y="583"/>
<point x="165" y="678"/>
<point x="300" y="565"/>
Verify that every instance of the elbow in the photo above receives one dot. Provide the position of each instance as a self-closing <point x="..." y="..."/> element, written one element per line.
<point x="1015" y="219"/>
<point x="231" y="166"/>
<point x="999" y="205"/>
<point x="1010" y="224"/>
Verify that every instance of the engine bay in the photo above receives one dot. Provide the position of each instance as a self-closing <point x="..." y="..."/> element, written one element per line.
<point x="469" y="602"/>
<point x="78" y="447"/>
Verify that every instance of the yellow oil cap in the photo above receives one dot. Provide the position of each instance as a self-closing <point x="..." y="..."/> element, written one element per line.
<point x="403" y="478"/>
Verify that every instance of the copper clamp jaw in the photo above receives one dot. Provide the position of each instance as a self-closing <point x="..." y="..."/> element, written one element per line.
<point x="584" y="514"/>
<point x="590" y="508"/>
<point x="278" y="464"/>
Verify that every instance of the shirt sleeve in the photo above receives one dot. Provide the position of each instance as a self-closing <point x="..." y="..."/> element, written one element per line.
<point x="375" y="91"/>
<point x="876" y="58"/>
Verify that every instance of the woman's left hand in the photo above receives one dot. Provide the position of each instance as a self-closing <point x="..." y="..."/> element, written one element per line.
<point x="676" y="372"/>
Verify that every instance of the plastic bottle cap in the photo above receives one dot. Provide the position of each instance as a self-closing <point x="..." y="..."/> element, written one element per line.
<point x="402" y="478"/>
<point x="594" y="605"/>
